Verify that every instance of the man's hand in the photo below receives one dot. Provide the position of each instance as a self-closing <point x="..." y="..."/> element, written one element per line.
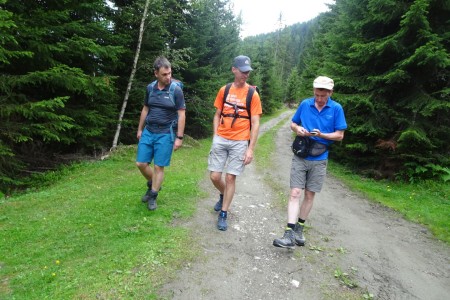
<point x="301" y="131"/>
<point x="248" y="156"/>
<point x="177" y="144"/>
<point x="315" y="132"/>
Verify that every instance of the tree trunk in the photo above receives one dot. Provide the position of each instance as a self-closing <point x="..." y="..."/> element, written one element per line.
<point x="133" y="72"/>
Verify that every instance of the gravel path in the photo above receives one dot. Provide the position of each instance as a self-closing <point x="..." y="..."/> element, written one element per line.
<point x="383" y="254"/>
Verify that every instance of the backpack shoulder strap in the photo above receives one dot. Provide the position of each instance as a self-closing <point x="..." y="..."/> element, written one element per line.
<point x="225" y="94"/>
<point x="248" y="102"/>
<point x="172" y="87"/>
<point x="150" y="88"/>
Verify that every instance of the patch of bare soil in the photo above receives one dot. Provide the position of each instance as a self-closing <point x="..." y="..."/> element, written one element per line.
<point x="382" y="254"/>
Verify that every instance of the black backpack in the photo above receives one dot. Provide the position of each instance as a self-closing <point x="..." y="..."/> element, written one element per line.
<point x="248" y="102"/>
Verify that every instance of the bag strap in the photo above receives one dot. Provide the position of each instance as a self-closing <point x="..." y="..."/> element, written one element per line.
<point x="172" y="88"/>
<point x="150" y="88"/>
<point x="225" y="94"/>
<point x="248" y="103"/>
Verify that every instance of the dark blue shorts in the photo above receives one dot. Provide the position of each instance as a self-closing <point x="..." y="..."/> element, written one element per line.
<point x="155" y="146"/>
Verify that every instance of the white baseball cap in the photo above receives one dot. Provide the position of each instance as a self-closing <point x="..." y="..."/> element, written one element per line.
<point x="323" y="82"/>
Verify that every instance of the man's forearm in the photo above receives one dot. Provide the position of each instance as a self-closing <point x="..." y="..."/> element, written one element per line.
<point x="254" y="134"/>
<point x="181" y="124"/>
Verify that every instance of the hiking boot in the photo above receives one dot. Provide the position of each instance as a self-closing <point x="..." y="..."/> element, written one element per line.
<point x="298" y="235"/>
<point x="152" y="201"/>
<point x="218" y="205"/>
<point x="146" y="197"/>
<point x="222" y="222"/>
<point x="287" y="241"/>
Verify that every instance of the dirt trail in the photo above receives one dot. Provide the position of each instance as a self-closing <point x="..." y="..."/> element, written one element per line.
<point x="382" y="253"/>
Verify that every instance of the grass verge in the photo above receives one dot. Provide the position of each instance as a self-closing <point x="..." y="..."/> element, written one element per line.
<point x="88" y="236"/>
<point x="263" y="158"/>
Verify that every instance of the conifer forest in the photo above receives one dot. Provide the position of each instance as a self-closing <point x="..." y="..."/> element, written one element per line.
<point x="73" y="75"/>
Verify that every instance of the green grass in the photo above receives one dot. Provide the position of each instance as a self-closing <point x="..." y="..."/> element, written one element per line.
<point x="88" y="236"/>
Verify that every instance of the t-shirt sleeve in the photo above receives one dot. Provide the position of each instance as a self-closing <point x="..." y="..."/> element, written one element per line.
<point x="218" y="102"/>
<point x="297" y="118"/>
<point x="340" y="123"/>
<point x="256" y="106"/>
<point x="146" y="97"/>
<point x="180" y="103"/>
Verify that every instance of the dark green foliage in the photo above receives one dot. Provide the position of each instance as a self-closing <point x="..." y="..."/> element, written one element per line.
<point x="212" y="36"/>
<point x="57" y="96"/>
<point x="65" y="66"/>
<point x="391" y="64"/>
<point x="161" y="31"/>
<point x="293" y="86"/>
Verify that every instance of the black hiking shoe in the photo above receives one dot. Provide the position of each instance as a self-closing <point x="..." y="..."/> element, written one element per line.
<point x="298" y="234"/>
<point x="287" y="241"/>
<point x="151" y="205"/>
<point x="146" y="197"/>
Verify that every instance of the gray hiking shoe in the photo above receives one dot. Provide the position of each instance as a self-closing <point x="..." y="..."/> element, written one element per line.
<point x="222" y="222"/>
<point x="218" y="205"/>
<point x="298" y="235"/>
<point x="152" y="201"/>
<point x="287" y="241"/>
<point x="146" y="197"/>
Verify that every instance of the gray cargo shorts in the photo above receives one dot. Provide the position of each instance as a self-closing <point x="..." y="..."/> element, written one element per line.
<point x="227" y="154"/>
<point x="308" y="174"/>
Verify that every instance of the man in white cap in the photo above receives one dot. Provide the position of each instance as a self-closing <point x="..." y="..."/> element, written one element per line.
<point x="321" y="120"/>
<point x="236" y="128"/>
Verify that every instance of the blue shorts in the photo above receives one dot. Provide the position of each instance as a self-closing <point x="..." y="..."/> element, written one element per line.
<point x="155" y="146"/>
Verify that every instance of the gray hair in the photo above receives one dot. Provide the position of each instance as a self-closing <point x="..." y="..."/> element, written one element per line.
<point x="161" y="62"/>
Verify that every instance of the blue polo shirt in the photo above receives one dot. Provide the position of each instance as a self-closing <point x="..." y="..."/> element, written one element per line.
<point x="328" y="120"/>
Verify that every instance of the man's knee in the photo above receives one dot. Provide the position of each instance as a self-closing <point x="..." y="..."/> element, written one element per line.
<point x="141" y="165"/>
<point x="215" y="176"/>
<point x="296" y="193"/>
<point x="309" y="196"/>
<point x="230" y="178"/>
<point x="159" y="168"/>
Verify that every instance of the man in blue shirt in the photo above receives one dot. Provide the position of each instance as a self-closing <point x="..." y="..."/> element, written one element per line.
<point x="161" y="128"/>
<point x="321" y="119"/>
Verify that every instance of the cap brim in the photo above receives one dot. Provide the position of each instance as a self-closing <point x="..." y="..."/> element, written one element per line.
<point x="245" y="69"/>
<point x="322" y="86"/>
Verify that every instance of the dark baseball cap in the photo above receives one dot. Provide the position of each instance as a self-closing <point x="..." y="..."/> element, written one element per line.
<point x="242" y="63"/>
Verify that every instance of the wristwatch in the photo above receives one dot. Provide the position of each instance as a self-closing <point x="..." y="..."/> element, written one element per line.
<point x="179" y="137"/>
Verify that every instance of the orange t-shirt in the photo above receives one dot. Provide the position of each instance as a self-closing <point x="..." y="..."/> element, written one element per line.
<point x="241" y="127"/>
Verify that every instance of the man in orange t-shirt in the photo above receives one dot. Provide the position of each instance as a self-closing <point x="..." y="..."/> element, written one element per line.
<point x="234" y="139"/>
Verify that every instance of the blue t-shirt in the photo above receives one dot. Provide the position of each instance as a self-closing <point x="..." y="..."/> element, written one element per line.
<point x="330" y="119"/>
<point x="163" y="113"/>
